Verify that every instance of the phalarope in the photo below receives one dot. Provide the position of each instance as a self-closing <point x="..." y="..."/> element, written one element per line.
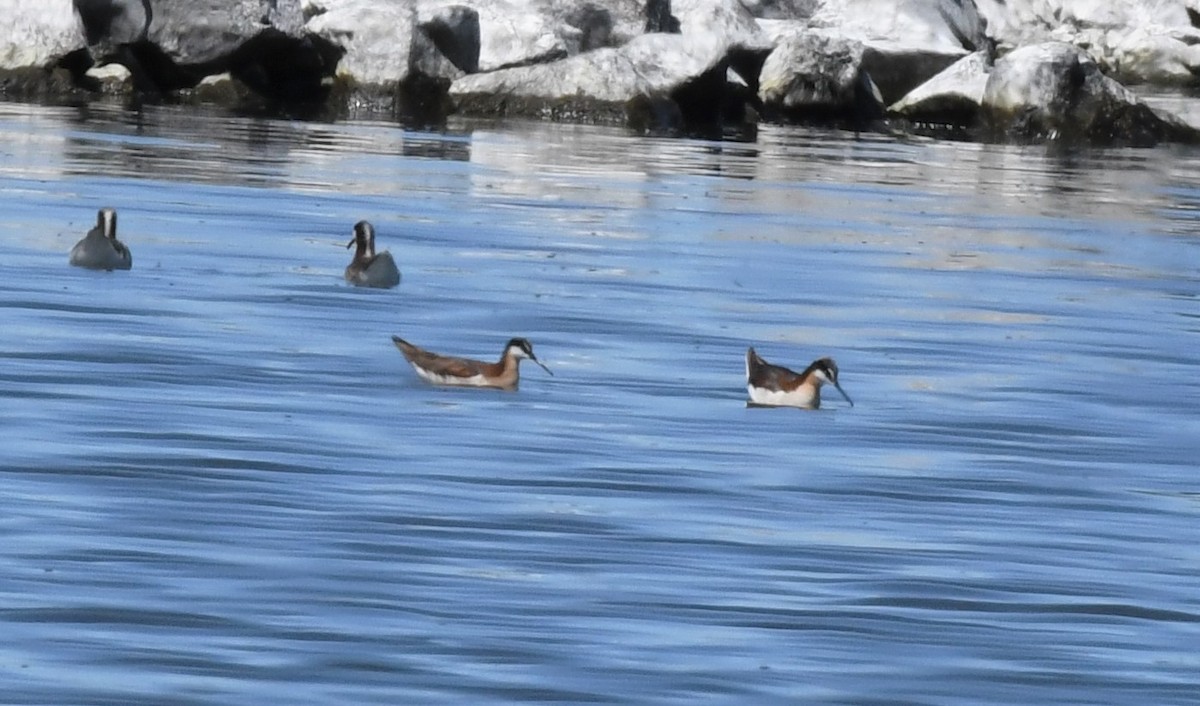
<point x="776" y="386"/>
<point x="368" y="269"/>
<point x="447" y="370"/>
<point x="100" y="249"/>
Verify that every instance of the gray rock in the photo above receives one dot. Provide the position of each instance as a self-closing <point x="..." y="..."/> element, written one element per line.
<point x="397" y="57"/>
<point x="656" y="79"/>
<point x="929" y="25"/>
<point x="475" y="35"/>
<point x="652" y="74"/>
<point x="40" y="32"/>
<point x="454" y="31"/>
<point x="110" y="23"/>
<point x="725" y="22"/>
<point x="40" y="37"/>
<point x="815" y="77"/>
<point x="783" y="9"/>
<point x="524" y="32"/>
<point x="659" y="18"/>
<point x="1055" y="91"/>
<point x="595" y="25"/>
<point x="188" y="32"/>
<point x="376" y="38"/>
<point x="1135" y="41"/>
<point x="952" y="97"/>
<point x="904" y="43"/>
<point x="728" y="26"/>
<point x="172" y="44"/>
<point x="519" y="33"/>
<point x="702" y="62"/>
<point x="198" y="32"/>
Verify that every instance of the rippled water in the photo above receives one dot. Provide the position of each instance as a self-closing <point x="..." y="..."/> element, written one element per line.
<point x="223" y="485"/>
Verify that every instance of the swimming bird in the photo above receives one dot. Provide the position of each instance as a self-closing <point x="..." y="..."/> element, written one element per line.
<point x="368" y="269"/>
<point x="446" y="370"/>
<point x="100" y="249"/>
<point x="776" y="386"/>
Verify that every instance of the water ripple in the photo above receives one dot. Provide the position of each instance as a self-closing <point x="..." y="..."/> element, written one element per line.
<point x="224" y="484"/>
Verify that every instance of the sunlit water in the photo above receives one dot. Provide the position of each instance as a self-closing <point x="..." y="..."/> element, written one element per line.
<point x="223" y="485"/>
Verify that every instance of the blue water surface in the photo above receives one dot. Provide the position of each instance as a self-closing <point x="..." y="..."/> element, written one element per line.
<point x="223" y="485"/>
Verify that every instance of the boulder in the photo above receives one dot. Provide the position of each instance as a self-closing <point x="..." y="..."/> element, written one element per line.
<point x="592" y="24"/>
<point x="950" y="99"/>
<point x="783" y="9"/>
<point x="1056" y="91"/>
<point x="658" y="80"/>
<point x="473" y="35"/>
<point x="375" y="38"/>
<point x="41" y="35"/>
<point x="169" y="45"/>
<point x="523" y="32"/>
<point x="454" y="30"/>
<point x="938" y="26"/>
<point x="203" y="32"/>
<point x="1134" y="41"/>
<point x="905" y="42"/>
<point x="513" y="35"/>
<point x="814" y="77"/>
<point x="111" y="23"/>
<point x="726" y="24"/>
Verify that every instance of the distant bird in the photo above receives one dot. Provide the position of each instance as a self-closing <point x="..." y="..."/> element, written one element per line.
<point x="100" y="249"/>
<point x="776" y="386"/>
<point x="446" y="370"/>
<point x="368" y="269"/>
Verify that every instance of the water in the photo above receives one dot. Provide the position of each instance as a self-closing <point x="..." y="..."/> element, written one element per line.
<point x="222" y="484"/>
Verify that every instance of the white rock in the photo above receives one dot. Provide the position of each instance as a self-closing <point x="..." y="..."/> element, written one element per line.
<point x="905" y="43"/>
<point x="725" y="22"/>
<point x="111" y="73"/>
<point x="1133" y="40"/>
<point x="39" y="33"/>
<point x="377" y="38"/>
<point x="513" y="33"/>
<point x="650" y="64"/>
<point x="934" y="26"/>
<point x="953" y="96"/>
<point x="813" y="75"/>
<point x="199" y="31"/>
<point x="1043" y="79"/>
<point x="1055" y="90"/>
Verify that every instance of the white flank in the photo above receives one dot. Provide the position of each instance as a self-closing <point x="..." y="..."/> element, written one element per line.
<point x="775" y="398"/>
<point x="434" y="378"/>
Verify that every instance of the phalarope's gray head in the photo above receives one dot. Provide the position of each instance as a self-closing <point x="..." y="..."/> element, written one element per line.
<point x="776" y="386"/>
<point x="100" y="249"/>
<point x="447" y="370"/>
<point x="368" y="269"/>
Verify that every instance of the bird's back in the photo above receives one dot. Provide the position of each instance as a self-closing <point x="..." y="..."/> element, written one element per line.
<point x="97" y="252"/>
<point x="379" y="271"/>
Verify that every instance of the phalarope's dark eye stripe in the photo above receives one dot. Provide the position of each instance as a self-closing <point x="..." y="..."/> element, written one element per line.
<point x="448" y="370"/>
<point x="776" y="386"/>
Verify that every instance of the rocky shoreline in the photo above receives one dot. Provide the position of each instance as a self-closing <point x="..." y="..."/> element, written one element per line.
<point x="995" y="70"/>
